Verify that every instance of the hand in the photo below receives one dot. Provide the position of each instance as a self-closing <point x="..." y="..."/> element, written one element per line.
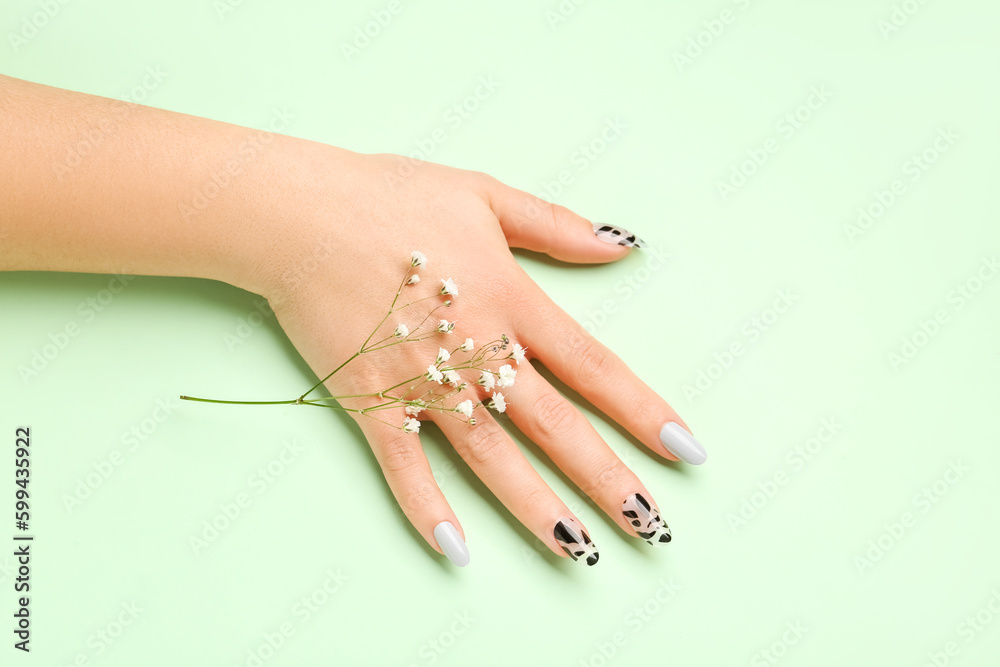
<point x="324" y="234"/>
<point x="349" y="235"/>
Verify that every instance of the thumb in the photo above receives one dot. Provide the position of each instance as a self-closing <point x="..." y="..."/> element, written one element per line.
<point x="534" y="224"/>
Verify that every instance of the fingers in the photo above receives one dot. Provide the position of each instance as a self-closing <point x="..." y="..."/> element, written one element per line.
<point x="583" y="363"/>
<point x="498" y="462"/>
<point x="573" y="444"/>
<point x="412" y="483"/>
<point x="534" y="224"/>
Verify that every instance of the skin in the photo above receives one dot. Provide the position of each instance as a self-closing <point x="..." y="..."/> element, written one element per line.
<point x="128" y="206"/>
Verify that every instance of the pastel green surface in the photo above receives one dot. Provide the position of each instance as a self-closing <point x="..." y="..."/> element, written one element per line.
<point x="869" y="550"/>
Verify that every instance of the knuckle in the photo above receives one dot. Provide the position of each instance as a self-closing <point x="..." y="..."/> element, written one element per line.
<point x="398" y="455"/>
<point x="553" y="415"/>
<point x="535" y="499"/>
<point x="607" y="475"/>
<point x="420" y="497"/>
<point x="593" y="362"/>
<point x="484" y="442"/>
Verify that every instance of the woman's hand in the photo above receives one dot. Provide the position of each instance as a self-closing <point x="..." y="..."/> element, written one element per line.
<point x="97" y="185"/>
<point x="343" y="259"/>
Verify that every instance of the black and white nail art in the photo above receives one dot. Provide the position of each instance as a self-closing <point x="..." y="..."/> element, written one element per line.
<point x="645" y="519"/>
<point x="575" y="541"/>
<point x="617" y="236"/>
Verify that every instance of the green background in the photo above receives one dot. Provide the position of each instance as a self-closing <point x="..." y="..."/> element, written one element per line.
<point x="842" y="546"/>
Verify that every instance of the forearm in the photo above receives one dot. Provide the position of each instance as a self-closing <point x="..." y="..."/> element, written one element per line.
<point x="97" y="185"/>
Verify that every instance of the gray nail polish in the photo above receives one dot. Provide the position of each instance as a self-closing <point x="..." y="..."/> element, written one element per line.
<point x="680" y="443"/>
<point x="617" y="236"/>
<point x="645" y="520"/>
<point x="451" y="543"/>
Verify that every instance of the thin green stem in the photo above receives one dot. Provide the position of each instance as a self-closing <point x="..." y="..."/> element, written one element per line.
<point x="212" y="400"/>
<point x="313" y="388"/>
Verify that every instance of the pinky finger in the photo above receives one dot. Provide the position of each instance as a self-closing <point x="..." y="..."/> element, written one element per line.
<point x="412" y="483"/>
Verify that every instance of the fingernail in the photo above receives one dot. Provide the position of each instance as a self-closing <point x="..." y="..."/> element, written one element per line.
<point x="645" y="519"/>
<point x="575" y="541"/>
<point x="617" y="236"/>
<point x="451" y="543"/>
<point x="676" y="440"/>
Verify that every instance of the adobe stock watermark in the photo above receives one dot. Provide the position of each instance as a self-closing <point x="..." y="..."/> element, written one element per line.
<point x="624" y="289"/>
<point x="33" y="24"/>
<point x="751" y="331"/>
<point x="57" y="341"/>
<point x="751" y="504"/>
<point x="131" y="440"/>
<point x="966" y="631"/>
<point x="301" y="612"/>
<point x="223" y="8"/>
<point x="900" y="15"/>
<point x="102" y="640"/>
<point x="581" y="159"/>
<point x="562" y="12"/>
<point x="229" y="511"/>
<point x="913" y="170"/>
<point x="785" y="129"/>
<point x="779" y="648"/>
<point x="94" y="136"/>
<point x="698" y="43"/>
<point x="263" y="309"/>
<point x="454" y="117"/>
<point x="636" y="619"/>
<point x="922" y="502"/>
<point x="226" y="174"/>
<point x="369" y="31"/>
<point x="926" y="330"/>
<point x="431" y="650"/>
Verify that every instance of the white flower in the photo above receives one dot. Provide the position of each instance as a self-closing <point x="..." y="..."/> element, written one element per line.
<point x="434" y="374"/>
<point x="402" y="331"/>
<point x="465" y="407"/>
<point x="448" y="286"/>
<point x="498" y="403"/>
<point x="443" y="356"/>
<point x="518" y="353"/>
<point x="507" y="375"/>
<point x="487" y="380"/>
<point x="444" y="326"/>
<point x="411" y="425"/>
<point x="468" y="345"/>
<point x="417" y="259"/>
<point x="452" y="378"/>
<point x="413" y="280"/>
<point x="413" y="410"/>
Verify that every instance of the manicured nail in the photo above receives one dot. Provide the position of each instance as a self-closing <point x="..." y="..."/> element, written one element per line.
<point x="451" y="543"/>
<point x="680" y="443"/>
<point x="617" y="236"/>
<point x="575" y="541"/>
<point x="645" y="519"/>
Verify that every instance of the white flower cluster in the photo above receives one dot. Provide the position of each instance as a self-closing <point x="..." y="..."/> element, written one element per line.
<point x="449" y="376"/>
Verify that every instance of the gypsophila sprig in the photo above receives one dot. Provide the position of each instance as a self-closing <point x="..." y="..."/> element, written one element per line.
<point x="517" y="354"/>
<point x="439" y="384"/>
<point x="499" y="403"/>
